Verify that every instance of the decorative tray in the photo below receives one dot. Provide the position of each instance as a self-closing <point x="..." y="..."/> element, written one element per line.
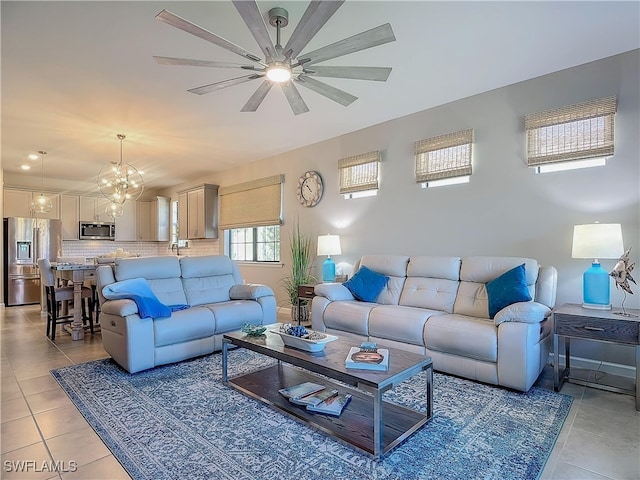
<point x="304" y="343"/>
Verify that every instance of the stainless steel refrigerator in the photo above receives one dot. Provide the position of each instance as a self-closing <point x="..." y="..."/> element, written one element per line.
<point x="25" y="241"/>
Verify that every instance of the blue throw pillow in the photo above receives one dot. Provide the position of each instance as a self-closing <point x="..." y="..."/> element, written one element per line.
<point x="508" y="288"/>
<point x="366" y="285"/>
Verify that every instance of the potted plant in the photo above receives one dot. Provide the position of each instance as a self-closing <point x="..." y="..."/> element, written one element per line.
<point x="301" y="249"/>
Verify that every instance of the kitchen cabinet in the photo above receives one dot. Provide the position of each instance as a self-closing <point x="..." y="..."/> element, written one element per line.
<point x="17" y="203"/>
<point x="93" y="209"/>
<point x="126" y="224"/>
<point x="153" y="219"/>
<point x="200" y="218"/>
<point x="70" y="216"/>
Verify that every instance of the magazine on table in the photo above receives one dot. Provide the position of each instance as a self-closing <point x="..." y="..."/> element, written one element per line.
<point x="368" y="357"/>
<point x="332" y="406"/>
<point x="315" y="398"/>
<point x="301" y="390"/>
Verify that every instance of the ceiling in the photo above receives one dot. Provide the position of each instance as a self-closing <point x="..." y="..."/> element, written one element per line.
<point x="75" y="74"/>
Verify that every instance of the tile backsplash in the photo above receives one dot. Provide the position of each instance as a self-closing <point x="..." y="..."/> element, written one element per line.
<point x="95" y="248"/>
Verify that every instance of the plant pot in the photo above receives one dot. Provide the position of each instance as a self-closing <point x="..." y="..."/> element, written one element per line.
<point x="304" y="313"/>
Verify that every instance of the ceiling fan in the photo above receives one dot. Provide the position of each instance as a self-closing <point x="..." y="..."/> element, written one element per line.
<point x="283" y="64"/>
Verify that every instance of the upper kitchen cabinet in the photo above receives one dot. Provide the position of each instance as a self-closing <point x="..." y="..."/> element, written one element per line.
<point x="127" y="224"/>
<point x="94" y="209"/>
<point x="70" y="216"/>
<point x="200" y="218"/>
<point x="17" y="203"/>
<point x="153" y="219"/>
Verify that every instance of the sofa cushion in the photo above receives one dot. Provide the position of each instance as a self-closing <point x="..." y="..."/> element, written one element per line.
<point x="349" y="316"/>
<point x="392" y="266"/>
<point x="524" y="312"/>
<point x="462" y="335"/>
<point x="475" y="272"/>
<point x="169" y="291"/>
<point x="508" y="288"/>
<point x="183" y="326"/>
<point x="431" y="293"/>
<point x="209" y="266"/>
<point x="232" y="315"/>
<point x="434" y="267"/>
<point x="366" y="285"/>
<point x="402" y="324"/>
<point x="146" y="267"/>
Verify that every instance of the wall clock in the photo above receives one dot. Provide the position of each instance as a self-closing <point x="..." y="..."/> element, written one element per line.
<point x="310" y="189"/>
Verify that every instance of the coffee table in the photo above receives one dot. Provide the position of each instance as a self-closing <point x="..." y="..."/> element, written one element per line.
<point x="368" y="423"/>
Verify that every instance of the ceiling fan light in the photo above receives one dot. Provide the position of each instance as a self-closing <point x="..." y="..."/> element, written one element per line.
<point x="279" y="73"/>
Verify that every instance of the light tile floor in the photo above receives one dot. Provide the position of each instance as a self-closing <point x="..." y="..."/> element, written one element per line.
<point x="41" y="428"/>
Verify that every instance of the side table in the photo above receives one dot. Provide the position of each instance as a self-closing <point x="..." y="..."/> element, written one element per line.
<point x="304" y="292"/>
<point x="574" y="321"/>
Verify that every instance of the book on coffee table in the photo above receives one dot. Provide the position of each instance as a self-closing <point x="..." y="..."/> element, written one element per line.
<point x="315" y="398"/>
<point x="368" y="358"/>
<point x="332" y="406"/>
<point x="301" y="390"/>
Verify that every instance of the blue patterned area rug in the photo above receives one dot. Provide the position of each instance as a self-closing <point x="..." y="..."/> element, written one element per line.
<point x="180" y="421"/>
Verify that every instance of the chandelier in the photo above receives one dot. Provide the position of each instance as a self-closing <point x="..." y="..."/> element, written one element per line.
<point x="119" y="182"/>
<point x="41" y="204"/>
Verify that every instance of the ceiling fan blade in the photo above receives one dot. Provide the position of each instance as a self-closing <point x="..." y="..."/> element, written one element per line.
<point x="317" y="14"/>
<point x="253" y="18"/>
<point x="201" y="63"/>
<point x="294" y="98"/>
<point x="378" y="74"/>
<point x="371" y="38"/>
<point x="223" y="84"/>
<point x="258" y="96"/>
<point x="185" y="25"/>
<point x="333" y="93"/>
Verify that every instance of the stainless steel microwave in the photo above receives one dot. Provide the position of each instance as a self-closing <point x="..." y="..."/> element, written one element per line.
<point x="97" y="231"/>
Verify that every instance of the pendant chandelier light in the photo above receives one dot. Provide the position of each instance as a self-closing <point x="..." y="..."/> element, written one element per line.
<point x="119" y="182"/>
<point x="41" y="204"/>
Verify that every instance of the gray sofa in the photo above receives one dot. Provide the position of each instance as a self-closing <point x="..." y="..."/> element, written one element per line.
<point x="211" y="286"/>
<point x="439" y="306"/>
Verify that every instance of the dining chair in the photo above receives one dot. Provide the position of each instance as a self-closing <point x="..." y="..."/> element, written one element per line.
<point x="55" y="295"/>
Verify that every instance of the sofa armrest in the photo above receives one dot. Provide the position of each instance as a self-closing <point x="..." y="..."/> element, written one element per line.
<point x="333" y="291"/>
<point x="523" y="312"/>
<point x="250" y="291"/>
<point x="121" y="308"/>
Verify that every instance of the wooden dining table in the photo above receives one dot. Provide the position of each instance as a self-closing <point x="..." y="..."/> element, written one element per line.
<point x="76" y="273"/>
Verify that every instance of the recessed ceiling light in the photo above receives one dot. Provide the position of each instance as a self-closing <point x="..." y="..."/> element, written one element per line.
<point x="25" y="167"/>
<point x="33" y="156"/>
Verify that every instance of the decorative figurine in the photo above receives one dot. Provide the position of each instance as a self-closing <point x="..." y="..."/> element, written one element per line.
<point x="621" y="273"/>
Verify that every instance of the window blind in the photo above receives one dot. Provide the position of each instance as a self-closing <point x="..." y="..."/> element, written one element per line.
<point x="251" y="204"/>
<point x="359" y="173"/>
<point x="445" y="156"/>
<point x="574" y="132"/>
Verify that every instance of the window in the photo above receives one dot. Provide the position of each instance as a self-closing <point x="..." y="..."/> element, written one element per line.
<point x="251" y="214"/>
<point x="573" y="133"/>
<point x="359" y="174"/>
<point x="444" y="160"/>
<point x="255" y="244"/>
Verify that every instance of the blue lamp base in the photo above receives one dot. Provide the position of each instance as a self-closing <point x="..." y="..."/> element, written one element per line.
<point x="328" y="270"/>
<point x="595" y="288"/>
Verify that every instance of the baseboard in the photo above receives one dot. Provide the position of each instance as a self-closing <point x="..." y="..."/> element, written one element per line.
<point x="590" y="364"/>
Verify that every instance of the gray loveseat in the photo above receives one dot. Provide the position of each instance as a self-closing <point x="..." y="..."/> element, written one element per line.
<point x="211" y="286"/>
<point x="439" y="306"/>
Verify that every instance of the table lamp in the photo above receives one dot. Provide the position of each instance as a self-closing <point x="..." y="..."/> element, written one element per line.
<point x="596" y="241"/>
<point x="329" y="245"/>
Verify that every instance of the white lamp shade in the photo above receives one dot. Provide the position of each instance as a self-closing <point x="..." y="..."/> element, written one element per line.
<point x="597" y="240"/>
<point x="329" y="245"/>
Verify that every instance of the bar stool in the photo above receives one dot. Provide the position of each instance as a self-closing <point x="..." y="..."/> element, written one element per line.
<point x="56" y="295"/>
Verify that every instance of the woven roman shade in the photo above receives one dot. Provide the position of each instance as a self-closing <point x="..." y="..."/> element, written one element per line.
<point x="359" y="173"/>
<point x="251" y="204"/>
<point x="574" y="132"/>
<point x="445" y="156"/>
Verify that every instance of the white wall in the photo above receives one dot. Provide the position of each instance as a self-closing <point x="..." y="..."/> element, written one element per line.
<point x="505" y="210"/>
